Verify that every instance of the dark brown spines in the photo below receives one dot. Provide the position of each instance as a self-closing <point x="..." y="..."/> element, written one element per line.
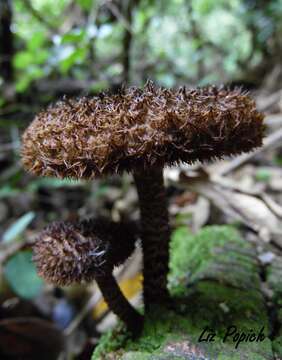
<point x="63" y="255"/>
<point x="67" y="253"/>
<point x="88" y="138"/>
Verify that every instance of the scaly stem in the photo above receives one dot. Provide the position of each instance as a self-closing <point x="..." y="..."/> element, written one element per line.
<point x="119" y="304"/>
<point x="155" y="234"/>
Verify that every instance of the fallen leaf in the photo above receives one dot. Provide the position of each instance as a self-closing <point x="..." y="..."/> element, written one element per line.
<point x="21" y="275"/>
<point x="18" y="227"/>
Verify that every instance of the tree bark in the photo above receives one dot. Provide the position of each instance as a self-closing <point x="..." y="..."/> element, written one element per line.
<point x="127" y="40"/>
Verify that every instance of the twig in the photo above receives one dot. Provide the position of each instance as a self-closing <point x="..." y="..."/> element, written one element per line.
<point x="115" y="11"/>
<point x="93" y="300"/>
<point x="272" y="205"/>
<point x="269" y="141"/>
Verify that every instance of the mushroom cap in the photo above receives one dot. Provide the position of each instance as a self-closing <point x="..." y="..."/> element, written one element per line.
<point x="67" y="253"/>
<point x="139" y="128"/>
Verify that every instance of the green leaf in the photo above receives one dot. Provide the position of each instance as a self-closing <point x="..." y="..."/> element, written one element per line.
<point x="76" y="57"/>
<point x="21" y="275"/>
<point x="41" y="57"/>
<point x="31" y="73"/>
<point x="85" y="4"/>
<point x="22" y="59"/>
<point x="18" y="227"/>
<point x="73" y="37"/>
<point x="22" y="84"/>
<point x="36" y="41"/>
<point x="204" y="7"/>
<point x="35" y="72"/>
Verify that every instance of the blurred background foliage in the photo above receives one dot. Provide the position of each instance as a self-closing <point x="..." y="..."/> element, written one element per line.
<point x="88" y="45"/>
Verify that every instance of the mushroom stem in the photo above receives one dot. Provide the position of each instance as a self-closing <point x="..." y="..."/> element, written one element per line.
<point x="155" y="234"/>
<point x="119" y="304"/>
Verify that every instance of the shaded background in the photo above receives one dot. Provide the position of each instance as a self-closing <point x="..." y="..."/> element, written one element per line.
<point x="49" y="49"/>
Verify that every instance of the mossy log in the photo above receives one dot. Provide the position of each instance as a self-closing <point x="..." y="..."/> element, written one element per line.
<point x="216" y="286"/>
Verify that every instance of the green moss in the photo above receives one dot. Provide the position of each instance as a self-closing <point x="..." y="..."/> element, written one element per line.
<point x="212" y="253"/>
<point x="215" y="283"/>
<point x="111" y="341"/>
<point x="277" y="346"/>
<point x="274" y="280"/>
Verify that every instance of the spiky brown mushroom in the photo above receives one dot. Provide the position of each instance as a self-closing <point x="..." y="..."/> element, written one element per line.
<point x="142" y="130"/>
<point x="67" y="253"/>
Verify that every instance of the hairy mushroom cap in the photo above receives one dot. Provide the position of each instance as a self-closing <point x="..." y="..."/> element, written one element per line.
<point x="91" y="137"/>
<point x="66" y="253"/>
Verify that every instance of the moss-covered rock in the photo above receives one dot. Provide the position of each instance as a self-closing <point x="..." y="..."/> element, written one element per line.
<point x="214" y="280"/>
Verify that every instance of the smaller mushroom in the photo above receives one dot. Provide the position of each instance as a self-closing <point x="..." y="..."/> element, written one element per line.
<point x="67" y="253"/>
